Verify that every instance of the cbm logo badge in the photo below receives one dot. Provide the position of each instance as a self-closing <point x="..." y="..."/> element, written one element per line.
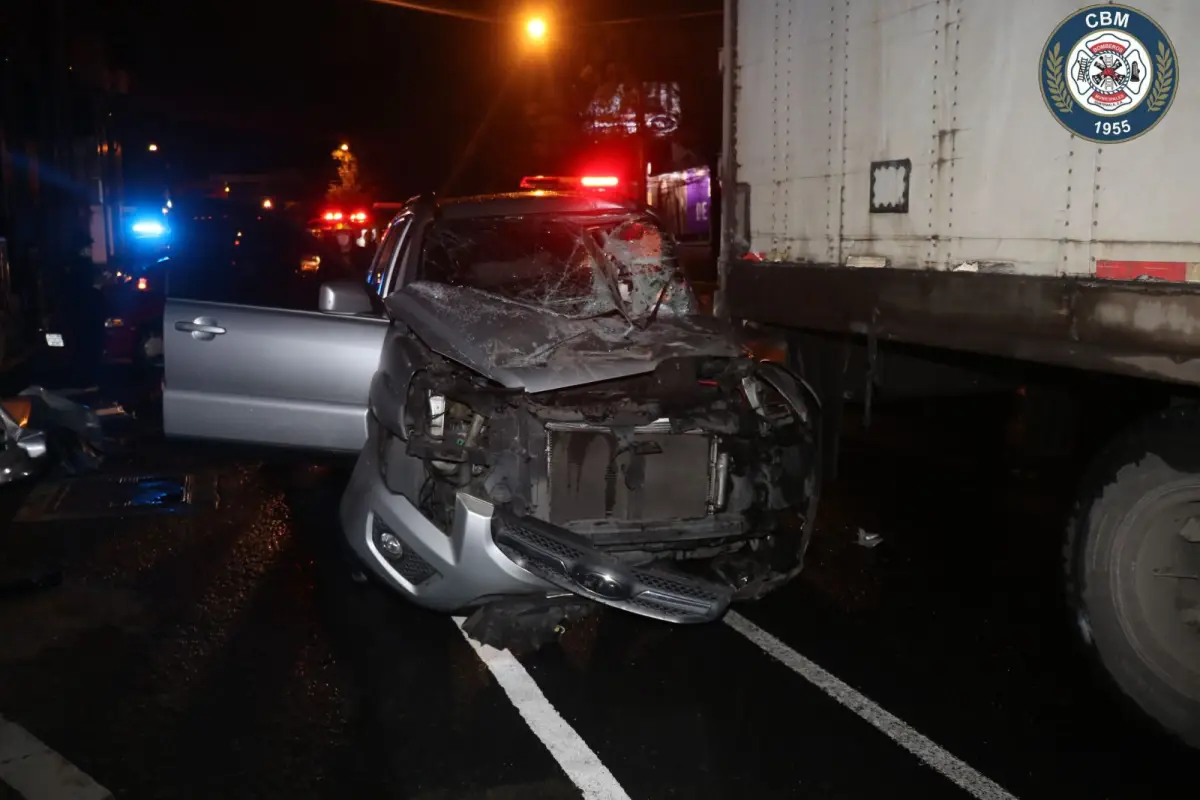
<point x="1109" y="73"/>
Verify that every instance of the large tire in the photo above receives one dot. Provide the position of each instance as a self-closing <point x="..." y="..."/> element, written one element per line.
<point x="1132" y="558"/>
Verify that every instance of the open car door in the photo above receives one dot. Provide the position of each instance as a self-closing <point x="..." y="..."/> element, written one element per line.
<point x="248" y="355"/>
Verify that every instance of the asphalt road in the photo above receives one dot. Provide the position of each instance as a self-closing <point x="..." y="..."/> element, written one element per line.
<point x="224" y="651"/>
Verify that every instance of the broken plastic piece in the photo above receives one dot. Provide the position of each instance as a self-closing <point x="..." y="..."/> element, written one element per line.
<point x="523" y="625"/>
<point x="115" y="410"/>
<point x="48" y="423"/>
<point x="868" y="540"/>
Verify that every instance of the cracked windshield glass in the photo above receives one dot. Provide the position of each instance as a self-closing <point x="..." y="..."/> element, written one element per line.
<point x="574" y="265"/>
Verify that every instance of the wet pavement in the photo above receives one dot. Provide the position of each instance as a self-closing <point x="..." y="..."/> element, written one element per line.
<point x="222" y="650"/>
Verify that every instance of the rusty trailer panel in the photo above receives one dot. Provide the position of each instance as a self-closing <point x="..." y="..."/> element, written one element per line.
<point x="915" y="133"/>
<point x="1148" y="329"/>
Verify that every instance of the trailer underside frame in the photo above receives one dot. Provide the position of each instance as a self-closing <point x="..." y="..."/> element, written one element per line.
<point x="1143" y="328"/>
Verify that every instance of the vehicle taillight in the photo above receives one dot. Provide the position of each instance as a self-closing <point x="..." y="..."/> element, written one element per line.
<point x="358" y="216"/>
<point x="333" y="216"/>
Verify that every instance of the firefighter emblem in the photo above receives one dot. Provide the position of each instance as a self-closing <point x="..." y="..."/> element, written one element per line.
<point x="1108" y="73"/>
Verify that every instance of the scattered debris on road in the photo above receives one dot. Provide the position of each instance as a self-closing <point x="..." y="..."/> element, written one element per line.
<point x="868" y="540"/>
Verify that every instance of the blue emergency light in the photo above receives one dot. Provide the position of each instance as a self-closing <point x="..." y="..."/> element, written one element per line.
<point x="149" y="228"/>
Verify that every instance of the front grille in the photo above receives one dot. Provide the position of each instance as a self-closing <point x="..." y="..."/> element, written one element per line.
<point x="650" y="476"/>
<point x="662" y="583"/>
<point x="566" y="560"/>
<point x="551" y="546"/>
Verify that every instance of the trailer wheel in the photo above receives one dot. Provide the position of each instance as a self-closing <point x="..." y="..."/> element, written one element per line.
<point x="1133" y="566"/>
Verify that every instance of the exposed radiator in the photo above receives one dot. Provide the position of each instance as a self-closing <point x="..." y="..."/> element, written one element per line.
<point x="655" y="475"/>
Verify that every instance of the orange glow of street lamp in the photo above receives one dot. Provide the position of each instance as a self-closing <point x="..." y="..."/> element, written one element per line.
<point x="535" y="28"/>
<point x="345" y="148"/>
<point x="153" y="148"/>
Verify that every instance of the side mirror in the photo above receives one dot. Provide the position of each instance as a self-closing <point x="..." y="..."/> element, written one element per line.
<point x="346" y="297"/>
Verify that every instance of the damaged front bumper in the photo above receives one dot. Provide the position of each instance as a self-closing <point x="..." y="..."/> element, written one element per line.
<point x="568" y="561"/>
<point x="668" y="494"/>
<point x="444" y="570"/>
<point x="488" y="553"/>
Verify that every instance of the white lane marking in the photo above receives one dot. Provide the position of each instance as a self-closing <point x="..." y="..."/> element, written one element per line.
<point x="568" y="748"/>
<point x="899" y="731"/>
<point x="38" y="773"/>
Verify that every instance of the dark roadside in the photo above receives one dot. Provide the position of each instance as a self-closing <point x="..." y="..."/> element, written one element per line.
<point x="226" y="652"/>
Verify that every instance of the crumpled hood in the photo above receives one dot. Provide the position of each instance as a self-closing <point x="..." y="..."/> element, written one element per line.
<point x="522" y="347"/>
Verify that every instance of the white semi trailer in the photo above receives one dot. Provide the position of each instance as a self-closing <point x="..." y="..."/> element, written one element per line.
<point x="1014" y="179"/>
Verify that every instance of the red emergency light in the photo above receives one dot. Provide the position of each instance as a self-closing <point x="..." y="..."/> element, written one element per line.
<point x="339" y="216"/>
<point x="599" y="181"/>
<point x="569" y="183"/>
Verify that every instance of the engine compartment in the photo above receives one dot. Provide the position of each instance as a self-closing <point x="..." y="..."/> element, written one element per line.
<point x="708" y="462"/>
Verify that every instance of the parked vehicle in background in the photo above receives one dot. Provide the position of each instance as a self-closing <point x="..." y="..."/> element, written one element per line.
<point x="133" y="303"/>
<point x="218" y="238"/>
<point x="543" y="421"/>
<point x="1021" y="191"/>
<point x="354" y="234"/>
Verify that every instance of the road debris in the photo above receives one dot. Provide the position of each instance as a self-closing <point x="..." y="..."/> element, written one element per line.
<point x="868" y="540"/>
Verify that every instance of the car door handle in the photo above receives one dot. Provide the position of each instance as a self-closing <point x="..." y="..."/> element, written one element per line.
<point x="202" y="328"/>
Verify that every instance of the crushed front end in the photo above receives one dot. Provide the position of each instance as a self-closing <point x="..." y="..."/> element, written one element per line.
<point x="668" y="494"/>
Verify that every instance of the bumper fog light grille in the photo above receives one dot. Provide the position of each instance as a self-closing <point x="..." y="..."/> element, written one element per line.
<point x="404" y="560"/>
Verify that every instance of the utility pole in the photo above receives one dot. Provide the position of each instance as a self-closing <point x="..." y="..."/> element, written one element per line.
<point x="639" y="144"/>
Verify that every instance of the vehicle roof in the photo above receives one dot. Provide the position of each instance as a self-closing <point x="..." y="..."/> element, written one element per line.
<point x="536" y="202"/>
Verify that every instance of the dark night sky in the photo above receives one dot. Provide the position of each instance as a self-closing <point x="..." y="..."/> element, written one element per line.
<point x="262" y="84"/>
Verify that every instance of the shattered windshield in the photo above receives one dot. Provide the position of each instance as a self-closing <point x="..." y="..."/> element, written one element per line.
<point x="578" y="265"/>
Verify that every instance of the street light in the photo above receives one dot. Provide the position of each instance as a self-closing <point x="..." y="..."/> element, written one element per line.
<point x="345" y="148"/>
<point x="535" y="29"/>
<point x="153" y="148"/>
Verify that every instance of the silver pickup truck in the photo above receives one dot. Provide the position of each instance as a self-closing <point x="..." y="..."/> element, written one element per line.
<point x="544" y="422"/>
